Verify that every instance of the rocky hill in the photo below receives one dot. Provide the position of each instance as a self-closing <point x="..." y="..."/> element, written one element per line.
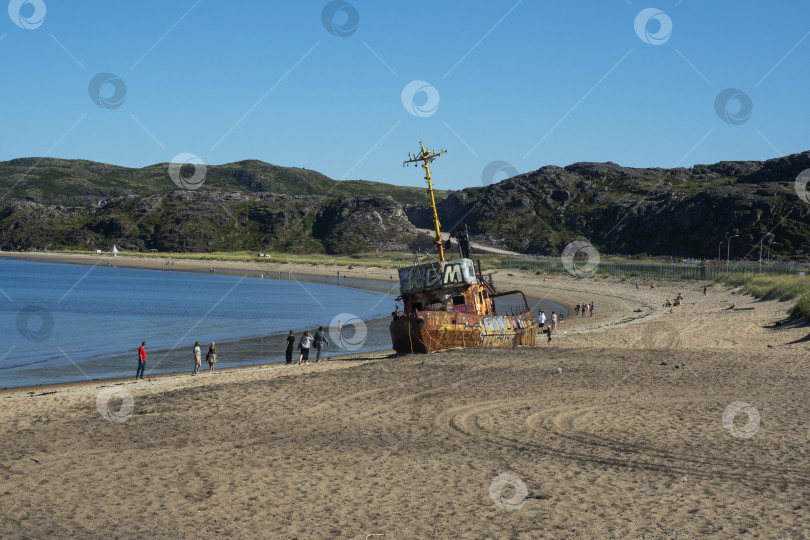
<point x="200" y="221"/>
<point x="681" y="212"/>
<point x="75" y="182"/>
<point x="251" y="205"/>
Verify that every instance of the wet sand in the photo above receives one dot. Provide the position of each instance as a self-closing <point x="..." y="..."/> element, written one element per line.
<point x="656" y="424"/>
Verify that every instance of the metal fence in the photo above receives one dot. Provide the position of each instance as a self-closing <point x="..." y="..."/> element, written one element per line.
<point x="653" y="270"/>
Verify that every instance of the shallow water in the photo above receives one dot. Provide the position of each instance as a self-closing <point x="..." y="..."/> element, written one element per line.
<point x="66" y="322"/>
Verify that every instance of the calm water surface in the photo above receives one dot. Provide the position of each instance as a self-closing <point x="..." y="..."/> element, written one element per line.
<point x="68" y="322"/>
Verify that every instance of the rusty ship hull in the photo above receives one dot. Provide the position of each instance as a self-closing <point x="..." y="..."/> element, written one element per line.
<point x="447" y="304"/>
<point x="431" y="331"/>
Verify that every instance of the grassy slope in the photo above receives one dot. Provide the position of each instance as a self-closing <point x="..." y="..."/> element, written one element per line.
<point x="776" y="287"/>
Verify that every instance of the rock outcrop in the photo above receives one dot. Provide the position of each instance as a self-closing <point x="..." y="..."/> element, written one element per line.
<point x="681" y="212"/>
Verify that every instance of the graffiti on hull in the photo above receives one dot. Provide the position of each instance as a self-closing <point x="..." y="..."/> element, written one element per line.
<point x="485" y="332"/>
<point x="435" y="275"/>
<point x="434" y="331"/>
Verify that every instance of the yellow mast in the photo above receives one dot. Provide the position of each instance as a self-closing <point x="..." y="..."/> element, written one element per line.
<point x="426" y="157"/>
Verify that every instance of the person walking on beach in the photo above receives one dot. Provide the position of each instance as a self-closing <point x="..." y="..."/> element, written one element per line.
<point x="141" y="360"/>
<point x="704" y="290"/>
<point x="576" y="309"/>
<point x="548" y="331"/>
<point x="197" y="358"/>
<point x="553" y="320"/>
<point x="319" y="342"/>
<point x="288" y="352"/>
<point x="541" y="318"/>
<point x="590" y="310"/>
<point x="304" y="344"/>
<point x="211" y="357"/>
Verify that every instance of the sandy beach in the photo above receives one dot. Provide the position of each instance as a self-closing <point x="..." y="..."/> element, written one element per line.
<point x="640" y="424"/>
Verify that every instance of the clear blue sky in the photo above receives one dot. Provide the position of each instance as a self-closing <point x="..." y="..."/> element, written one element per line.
<point x="529" y="83"/>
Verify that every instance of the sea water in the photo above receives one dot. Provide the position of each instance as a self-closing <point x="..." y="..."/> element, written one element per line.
<point x="68" y="322"/>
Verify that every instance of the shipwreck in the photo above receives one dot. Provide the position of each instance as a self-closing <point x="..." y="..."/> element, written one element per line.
<point x="447" y="304"/>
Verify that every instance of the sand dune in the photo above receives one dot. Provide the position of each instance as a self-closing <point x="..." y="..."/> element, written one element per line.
<point x="628" y="440"/>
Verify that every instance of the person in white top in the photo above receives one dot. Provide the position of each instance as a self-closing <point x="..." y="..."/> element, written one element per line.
<point x="542" y="319"/>
<point x="197" y="357"/>
<point x="304" y="344"/>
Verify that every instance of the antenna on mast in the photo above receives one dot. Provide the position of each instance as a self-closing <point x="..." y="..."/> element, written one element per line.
<point x="426" y="158"/>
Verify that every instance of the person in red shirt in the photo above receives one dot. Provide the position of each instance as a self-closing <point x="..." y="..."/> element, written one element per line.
<point x="141" y="360"/>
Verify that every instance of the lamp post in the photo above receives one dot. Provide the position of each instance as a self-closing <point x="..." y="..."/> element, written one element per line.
<point x="764" y="236"/>
<point x="728" y="248"/>
<point x="718" y="250"/>
<point x="760" y="252"/>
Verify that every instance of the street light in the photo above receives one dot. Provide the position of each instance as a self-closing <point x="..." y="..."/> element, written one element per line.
<point x="764" y="236"/>
<point x="718" y="250"/>
<point x="728" y="248"/>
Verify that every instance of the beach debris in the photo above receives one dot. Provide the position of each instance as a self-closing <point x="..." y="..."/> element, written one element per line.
<point x="683" y="479"/>
<point x="559" y="370"/>
<point x="662" y="364"/>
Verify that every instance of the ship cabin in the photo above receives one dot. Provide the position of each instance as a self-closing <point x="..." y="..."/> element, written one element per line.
<point x="445" y="286"/>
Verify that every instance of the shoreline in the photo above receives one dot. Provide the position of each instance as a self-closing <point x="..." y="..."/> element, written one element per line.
<point x="623" y="416"/>
<point x="613" y="299"/>
<point x="250" y="351"/>
<point x="194" y="265"/>
<point x="370" y="279"/>
<point x="162" y="379"/>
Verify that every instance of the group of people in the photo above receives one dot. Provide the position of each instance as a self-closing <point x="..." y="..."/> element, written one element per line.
<point x="677" y="301"/>
<point x="552" y="326"/>
<point x="555" y="319"/>
<point x="585" y="309"/>
<point x="210" y="357"/>
<point x="307" y="341"/>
